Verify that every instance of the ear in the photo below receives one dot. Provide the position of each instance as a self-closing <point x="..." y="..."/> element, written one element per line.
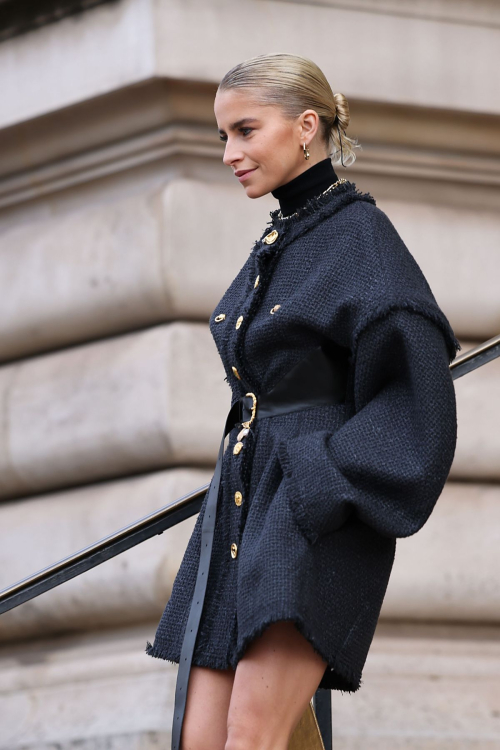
<point x="309" y="124"/>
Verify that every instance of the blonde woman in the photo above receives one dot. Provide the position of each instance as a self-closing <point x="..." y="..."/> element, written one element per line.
<point x="341" y="432"/>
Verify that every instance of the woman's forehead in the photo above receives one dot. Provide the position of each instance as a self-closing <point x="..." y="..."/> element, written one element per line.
<point x="232" y="107"/>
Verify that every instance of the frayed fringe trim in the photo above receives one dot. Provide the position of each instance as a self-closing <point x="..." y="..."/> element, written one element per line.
<point x="319" y="201"/>
<point x="160" y="653"/>
<point x="435" y="315"/>
<point x="315" y="210"/>
<point x="338" y="675"/>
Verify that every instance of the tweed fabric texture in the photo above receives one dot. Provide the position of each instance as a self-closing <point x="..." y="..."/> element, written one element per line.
<point x="327" y="490"/>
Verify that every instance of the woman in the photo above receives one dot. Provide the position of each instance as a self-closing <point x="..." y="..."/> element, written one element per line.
<point x="337" y="356"/>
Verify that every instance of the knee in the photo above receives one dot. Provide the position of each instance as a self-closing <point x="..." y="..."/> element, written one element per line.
<point x="245" y="724"/>
<point x="253" y="734"/>
<point x="240" y="739"/>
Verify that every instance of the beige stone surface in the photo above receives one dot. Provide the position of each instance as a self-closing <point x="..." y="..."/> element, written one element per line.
<point x="482" y="12"/>
<point x="111" y="408"/>
<point x="428" y="687"/>
<point x="130" y="587"/>
<point x="433" y="73"/>
<point x="112" y="266"/>
<point x="457" y="250"/>
<point x="92" y="691"/>
<point x="477" y="397"/>
<point x="448" y="571"/>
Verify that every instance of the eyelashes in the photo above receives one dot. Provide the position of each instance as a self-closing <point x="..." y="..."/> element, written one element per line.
<point x="224" y="137"/>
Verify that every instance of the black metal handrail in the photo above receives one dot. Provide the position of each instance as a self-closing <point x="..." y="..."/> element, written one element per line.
<point x="171" y="514"/>
<point x="476" y="357"/>
<point x="102" y="550"/>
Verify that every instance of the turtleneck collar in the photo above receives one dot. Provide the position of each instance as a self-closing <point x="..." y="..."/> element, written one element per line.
<point x="293" y="194"/>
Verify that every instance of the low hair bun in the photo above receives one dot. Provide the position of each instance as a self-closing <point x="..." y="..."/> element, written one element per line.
<point x="342" y="110"/>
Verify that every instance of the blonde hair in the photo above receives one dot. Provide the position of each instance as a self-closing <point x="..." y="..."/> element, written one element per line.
<point x="294" y="84"/>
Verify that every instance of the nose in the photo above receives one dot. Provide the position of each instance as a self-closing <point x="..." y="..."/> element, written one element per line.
<point x="231" y="155"/>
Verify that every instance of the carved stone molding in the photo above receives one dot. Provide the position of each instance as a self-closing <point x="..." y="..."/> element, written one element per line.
<point x="162" y="118"/>
<point x="20" y="16"/>
<point x="469" y="12"/>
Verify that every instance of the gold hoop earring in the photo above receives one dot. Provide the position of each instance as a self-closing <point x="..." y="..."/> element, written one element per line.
<point x="306" y="152"/>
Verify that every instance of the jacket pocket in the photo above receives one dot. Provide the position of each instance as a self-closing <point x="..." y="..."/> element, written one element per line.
<point x="312" y="501"/>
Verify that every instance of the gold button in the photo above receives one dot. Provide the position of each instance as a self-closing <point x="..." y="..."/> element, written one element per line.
<point x="234" y="550"/>
<point x="233" y="368"/>
<point x="271" y="237"/>
<point x="273" y="309"/>
<point x="238" y="497"/>
<point x="237" y="448"/>
<point x="220" y="317"/>
<point x="239" y="321"/>
<point x="256" y="283"/>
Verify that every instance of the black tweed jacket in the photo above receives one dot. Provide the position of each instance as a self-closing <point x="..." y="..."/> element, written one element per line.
<point x="316" y="499"/>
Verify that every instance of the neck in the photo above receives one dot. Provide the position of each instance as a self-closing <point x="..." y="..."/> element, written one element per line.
<point x="308" y="184"/>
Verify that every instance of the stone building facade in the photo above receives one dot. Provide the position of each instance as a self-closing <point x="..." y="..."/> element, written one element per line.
<point x="120" y="228"/>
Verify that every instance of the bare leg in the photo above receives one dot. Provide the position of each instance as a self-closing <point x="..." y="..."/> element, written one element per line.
<point x="205" y="719"/>
<point x="273" y="683"/>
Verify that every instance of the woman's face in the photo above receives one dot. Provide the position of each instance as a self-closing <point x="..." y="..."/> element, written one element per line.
<point x="260" y="139"/>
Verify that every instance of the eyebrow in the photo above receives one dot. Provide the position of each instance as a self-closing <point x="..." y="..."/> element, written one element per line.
<point x="239" y="123"/>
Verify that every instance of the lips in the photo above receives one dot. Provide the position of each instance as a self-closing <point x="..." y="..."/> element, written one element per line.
<point x="244" y="171"/>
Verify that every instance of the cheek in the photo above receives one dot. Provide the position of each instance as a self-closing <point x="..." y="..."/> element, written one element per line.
<point x="275" y="148"/>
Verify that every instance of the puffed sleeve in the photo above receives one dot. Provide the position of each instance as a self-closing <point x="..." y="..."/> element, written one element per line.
<point x="389" y="462"/>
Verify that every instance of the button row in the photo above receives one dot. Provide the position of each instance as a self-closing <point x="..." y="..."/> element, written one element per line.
<point x="238" y="497"/>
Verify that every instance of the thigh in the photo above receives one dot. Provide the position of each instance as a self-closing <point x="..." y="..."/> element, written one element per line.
<point x="207" y="704"/>
<point x="273" y="683"/>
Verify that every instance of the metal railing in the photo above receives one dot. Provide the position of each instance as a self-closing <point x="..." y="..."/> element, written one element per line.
<point x="171" y="514"/>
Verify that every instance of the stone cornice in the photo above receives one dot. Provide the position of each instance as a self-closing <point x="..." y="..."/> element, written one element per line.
<point x="20" y="16"/>
<point x="472" y="12"/>
<point x="162" y="118"/>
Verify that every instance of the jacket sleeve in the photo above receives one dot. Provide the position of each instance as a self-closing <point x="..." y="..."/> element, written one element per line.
<point x="389" y="462"/>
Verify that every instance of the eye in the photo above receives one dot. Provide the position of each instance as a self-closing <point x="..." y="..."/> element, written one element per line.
<point x="224" y="137"/>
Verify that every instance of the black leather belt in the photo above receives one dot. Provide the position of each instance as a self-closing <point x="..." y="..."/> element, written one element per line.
<point x="318" y="379"/>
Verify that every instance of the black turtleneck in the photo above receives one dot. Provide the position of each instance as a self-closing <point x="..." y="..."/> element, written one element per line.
<point x="292" y="195"/>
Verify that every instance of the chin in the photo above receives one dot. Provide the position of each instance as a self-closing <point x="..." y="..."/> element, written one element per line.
<point x="256" y="191"/>
<point x="253" y="192"/>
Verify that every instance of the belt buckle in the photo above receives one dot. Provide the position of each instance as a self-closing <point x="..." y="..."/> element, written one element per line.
<point x="254" y="409"/>
<point x="246" y="425"/>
